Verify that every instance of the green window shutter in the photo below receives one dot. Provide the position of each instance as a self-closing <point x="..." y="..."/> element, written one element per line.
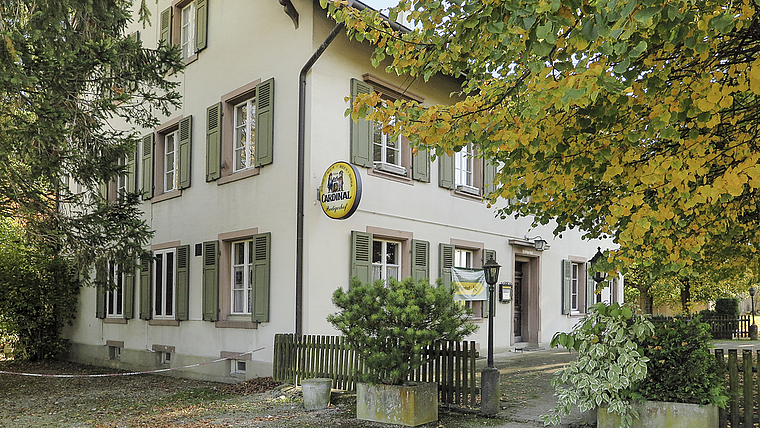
<point x="445" y="263"/>
<point x="165" y="33"/>
<point x="420" y="260"/>
<point x="101" y="276"/>
<point x="361" y="256"/>
<point x="421" y="166"/>
<point x="103" y="190"/>
<point x="201" y="24"/>
<point x="614" y="291"/>
<point x="446" y="171"/>
<point x="264" y="123"/>
<point x="145" y="278"/>
<point x="148" y="142"/>
<point x="261" y="268"/>
<point x="129" y="293"/>
<point x="567" y="279"/>
<point x="132" y="172"/>
<point x="185" y="151"/>
<point x="213" y="142"/>
<point x="590" y="288"/>
<point x="183" y="282"/>
<point x="361" y="131"/>
<point x="489" y="174"/>
<point x="211" y="280"/>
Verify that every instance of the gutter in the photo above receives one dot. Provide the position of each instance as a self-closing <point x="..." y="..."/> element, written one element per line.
<point x="302" y="157"/>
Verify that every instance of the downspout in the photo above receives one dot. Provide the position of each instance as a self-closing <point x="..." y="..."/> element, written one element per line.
<point x="301" y="174"/>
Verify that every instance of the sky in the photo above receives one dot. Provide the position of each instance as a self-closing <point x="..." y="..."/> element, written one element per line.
<point x="380" y="4"/>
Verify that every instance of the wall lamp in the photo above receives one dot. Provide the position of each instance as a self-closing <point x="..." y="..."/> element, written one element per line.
<point x="539" y="243"/>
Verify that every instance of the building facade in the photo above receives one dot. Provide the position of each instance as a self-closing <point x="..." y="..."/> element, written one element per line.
<point x="231" y="266"/>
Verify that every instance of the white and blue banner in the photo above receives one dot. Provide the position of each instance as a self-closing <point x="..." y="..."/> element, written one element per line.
<point x="469" y="284"/>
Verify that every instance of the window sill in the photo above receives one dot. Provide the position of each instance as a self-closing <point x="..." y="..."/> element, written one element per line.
<point x="406" y="179"/>
<point x="465" y="195"/>
<point x="166" y="196"/>
<point x="236" y="324"/>
<point x="165" y="323"/>
<point x="235" y="176"/>
<point x="192" y="58"/>
<point x="114" y="320"/>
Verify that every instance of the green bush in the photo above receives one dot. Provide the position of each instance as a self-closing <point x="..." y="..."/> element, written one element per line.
<point x="727" y="307"/>
<point x="389" y="325"/>
<point x="681" y="368"/>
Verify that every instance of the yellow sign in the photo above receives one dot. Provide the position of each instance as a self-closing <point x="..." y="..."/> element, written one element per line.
<point x="341" y="190"/>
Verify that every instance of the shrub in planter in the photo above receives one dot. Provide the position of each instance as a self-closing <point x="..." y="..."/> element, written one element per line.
<point x="681" y="368"/>
<point x="389" y="325"/>
<point x="610" y="361"/>
<point x="623" y="357"/>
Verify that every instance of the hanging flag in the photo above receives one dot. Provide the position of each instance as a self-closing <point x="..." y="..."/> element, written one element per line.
<point x="469" y="284"/>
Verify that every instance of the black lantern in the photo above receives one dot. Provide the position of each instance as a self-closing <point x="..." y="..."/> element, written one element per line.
<point x="491" y="270"/>
<point x="752" y="291"/>
<point x="599" y="276"/>
<point x="539" y="243"/>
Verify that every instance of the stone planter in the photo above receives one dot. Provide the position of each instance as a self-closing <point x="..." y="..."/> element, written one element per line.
<point x="413" y="404"/>
<point x="316" y="393"/>
<point x="664" y="415"/>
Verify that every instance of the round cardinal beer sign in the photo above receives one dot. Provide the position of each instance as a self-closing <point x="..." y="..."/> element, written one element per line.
<point x="341" y="190"/>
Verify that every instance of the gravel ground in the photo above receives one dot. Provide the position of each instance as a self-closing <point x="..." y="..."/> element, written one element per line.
<point x="162" y="401"/>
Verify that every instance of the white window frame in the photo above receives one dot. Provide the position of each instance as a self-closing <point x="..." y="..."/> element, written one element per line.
<point x="187" y="31"/>
<point x="383" y="266"/>
<point x="115" y="296"/>
<point x="171" y="170"/>
<point x="464" y="258"/>
<point x="464" y="166"/>
<point x="246" y="276"/>
<point x="575" y="274"/>
<point x="161" y="287"/>
<point x="385" y="142"/>
<point x="235" y="368"/>
<point x="247" y="127"/>
<point x="122" y="179"/>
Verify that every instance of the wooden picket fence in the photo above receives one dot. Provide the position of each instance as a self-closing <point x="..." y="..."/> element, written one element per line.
<point x="743" y="385"/>
<point x="450" y="364"/>
<point x="722" y="327"/>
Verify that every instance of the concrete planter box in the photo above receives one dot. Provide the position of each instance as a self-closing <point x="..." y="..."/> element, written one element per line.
<point x="412" y="404"/>
<point x="664" y="415"/>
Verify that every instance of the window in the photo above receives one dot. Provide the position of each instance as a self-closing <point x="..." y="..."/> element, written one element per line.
<point x="240" y="133"/>
<point x="577" y="287"/>
<point x="115" y="296"/>
<point x="167" y="152"/>
<point x="466" y="173"/>
<point x="464" y="254"/>
<point x="389" y="156"/>
<point x="122" y="180"/>
<point x="164" y="279"/>
<point x="114" y="352"/>
<point x="383" y="253"/>
<point x="244" y="135"/>
<point x="170" y="161"/>
<point x="386" y="149"/>
<point x="237" y="367"/>
<point x="187" y="37"/>
<point x="574" y="287"/>
<point x="115" y="293"/>
<point x="236" y="278"/>
<point x="386" y="260"/>
<point x="185" y="23"/>
<point x="164" y="357"/>
<point x="464" y="166"/>
<point x="242" y="276"/>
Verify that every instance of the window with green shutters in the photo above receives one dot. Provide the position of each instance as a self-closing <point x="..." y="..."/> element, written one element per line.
<point x="466" y="173"/>
<point x="115" y="291"/>
<point x="185" y="24"/>
<point x="577" y="287"/>
<point x="165" y="284"/>
<point x="388" y="255"/>
<point x="385" y="154"/>
<point x="240" y="133"/>
<point x="167" y="158"/>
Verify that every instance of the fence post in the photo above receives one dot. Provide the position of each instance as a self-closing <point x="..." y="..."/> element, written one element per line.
<point x="749" y="419"/>
<point x="721" y="366"/>
<point x="733" y="384"/>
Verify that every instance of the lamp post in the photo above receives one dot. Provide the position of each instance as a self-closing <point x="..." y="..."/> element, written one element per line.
<point x="753" y="327"/>
<point x="599" y="276"/>
<point x="489" y="376"/>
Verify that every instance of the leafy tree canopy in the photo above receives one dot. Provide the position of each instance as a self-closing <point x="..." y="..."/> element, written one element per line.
<point x="66" y="69"/>
<point x="636" y="119"/>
